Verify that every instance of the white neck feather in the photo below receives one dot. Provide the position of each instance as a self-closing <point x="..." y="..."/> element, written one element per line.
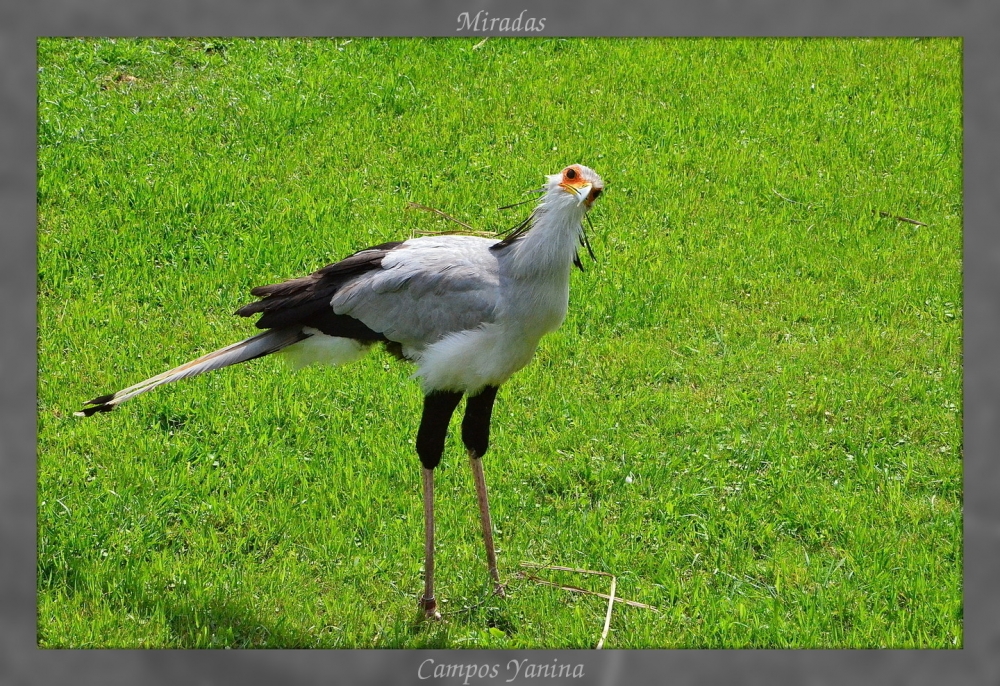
<point x="548" y="248"/>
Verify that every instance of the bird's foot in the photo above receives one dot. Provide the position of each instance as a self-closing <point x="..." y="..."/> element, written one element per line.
<point x="429" y="606"/>
<point x="500" y="590"/>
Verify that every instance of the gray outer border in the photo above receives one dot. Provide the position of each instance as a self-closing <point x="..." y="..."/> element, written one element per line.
<point x="976" y="20"/>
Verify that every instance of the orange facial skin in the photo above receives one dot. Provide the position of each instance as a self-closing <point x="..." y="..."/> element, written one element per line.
<point x="574" y="180"/>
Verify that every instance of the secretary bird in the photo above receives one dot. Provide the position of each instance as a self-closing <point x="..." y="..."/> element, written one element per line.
<point x="468" y="310"/>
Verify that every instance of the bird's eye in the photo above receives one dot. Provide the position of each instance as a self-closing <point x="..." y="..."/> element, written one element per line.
<point x="570" y="173"/>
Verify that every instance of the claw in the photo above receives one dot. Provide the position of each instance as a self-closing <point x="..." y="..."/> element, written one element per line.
<point x="429" y="606"/>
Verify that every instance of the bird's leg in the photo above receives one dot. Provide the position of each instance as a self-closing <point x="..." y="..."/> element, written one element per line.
<point x="427" y="602"/>
<point x="484" y="516"/>
<point x="476" y="436"/>
<point x="438" y="408"/>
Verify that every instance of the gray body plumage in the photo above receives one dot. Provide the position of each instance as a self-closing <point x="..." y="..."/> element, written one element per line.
<point x="426" y="288"/>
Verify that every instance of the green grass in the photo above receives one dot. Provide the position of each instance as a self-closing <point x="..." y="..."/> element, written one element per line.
<point x="752" y="415"/>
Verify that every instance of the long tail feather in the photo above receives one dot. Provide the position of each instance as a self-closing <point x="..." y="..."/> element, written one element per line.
<point x="257" y="346"/>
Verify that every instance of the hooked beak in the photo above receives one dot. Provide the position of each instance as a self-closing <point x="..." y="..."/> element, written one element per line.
<point x="582" y="192"/>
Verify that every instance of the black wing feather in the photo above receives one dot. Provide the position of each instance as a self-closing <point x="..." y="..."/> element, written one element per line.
<point x="305" y="301"/>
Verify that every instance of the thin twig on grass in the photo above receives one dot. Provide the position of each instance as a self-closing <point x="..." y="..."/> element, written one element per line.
<point x="577" y="589"/>
<point x="607" y="618"/>
<point x="611" y="598"/>
<point x="898" y="218"/>
<point x="787" y="199"/>
<point x="563" y="569"/>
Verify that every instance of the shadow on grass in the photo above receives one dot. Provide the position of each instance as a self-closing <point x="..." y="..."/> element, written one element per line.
<point x="213" y="618"/>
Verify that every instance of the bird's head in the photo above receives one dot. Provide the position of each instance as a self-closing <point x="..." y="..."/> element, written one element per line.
<point x="568" y="196"/>
<point x="575" y="184"/>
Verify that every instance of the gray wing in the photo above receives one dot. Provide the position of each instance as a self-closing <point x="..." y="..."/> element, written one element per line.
<point x="426" y="288"/>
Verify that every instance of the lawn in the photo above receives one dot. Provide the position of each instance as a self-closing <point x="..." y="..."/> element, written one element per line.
<point x="752" y="416"/>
